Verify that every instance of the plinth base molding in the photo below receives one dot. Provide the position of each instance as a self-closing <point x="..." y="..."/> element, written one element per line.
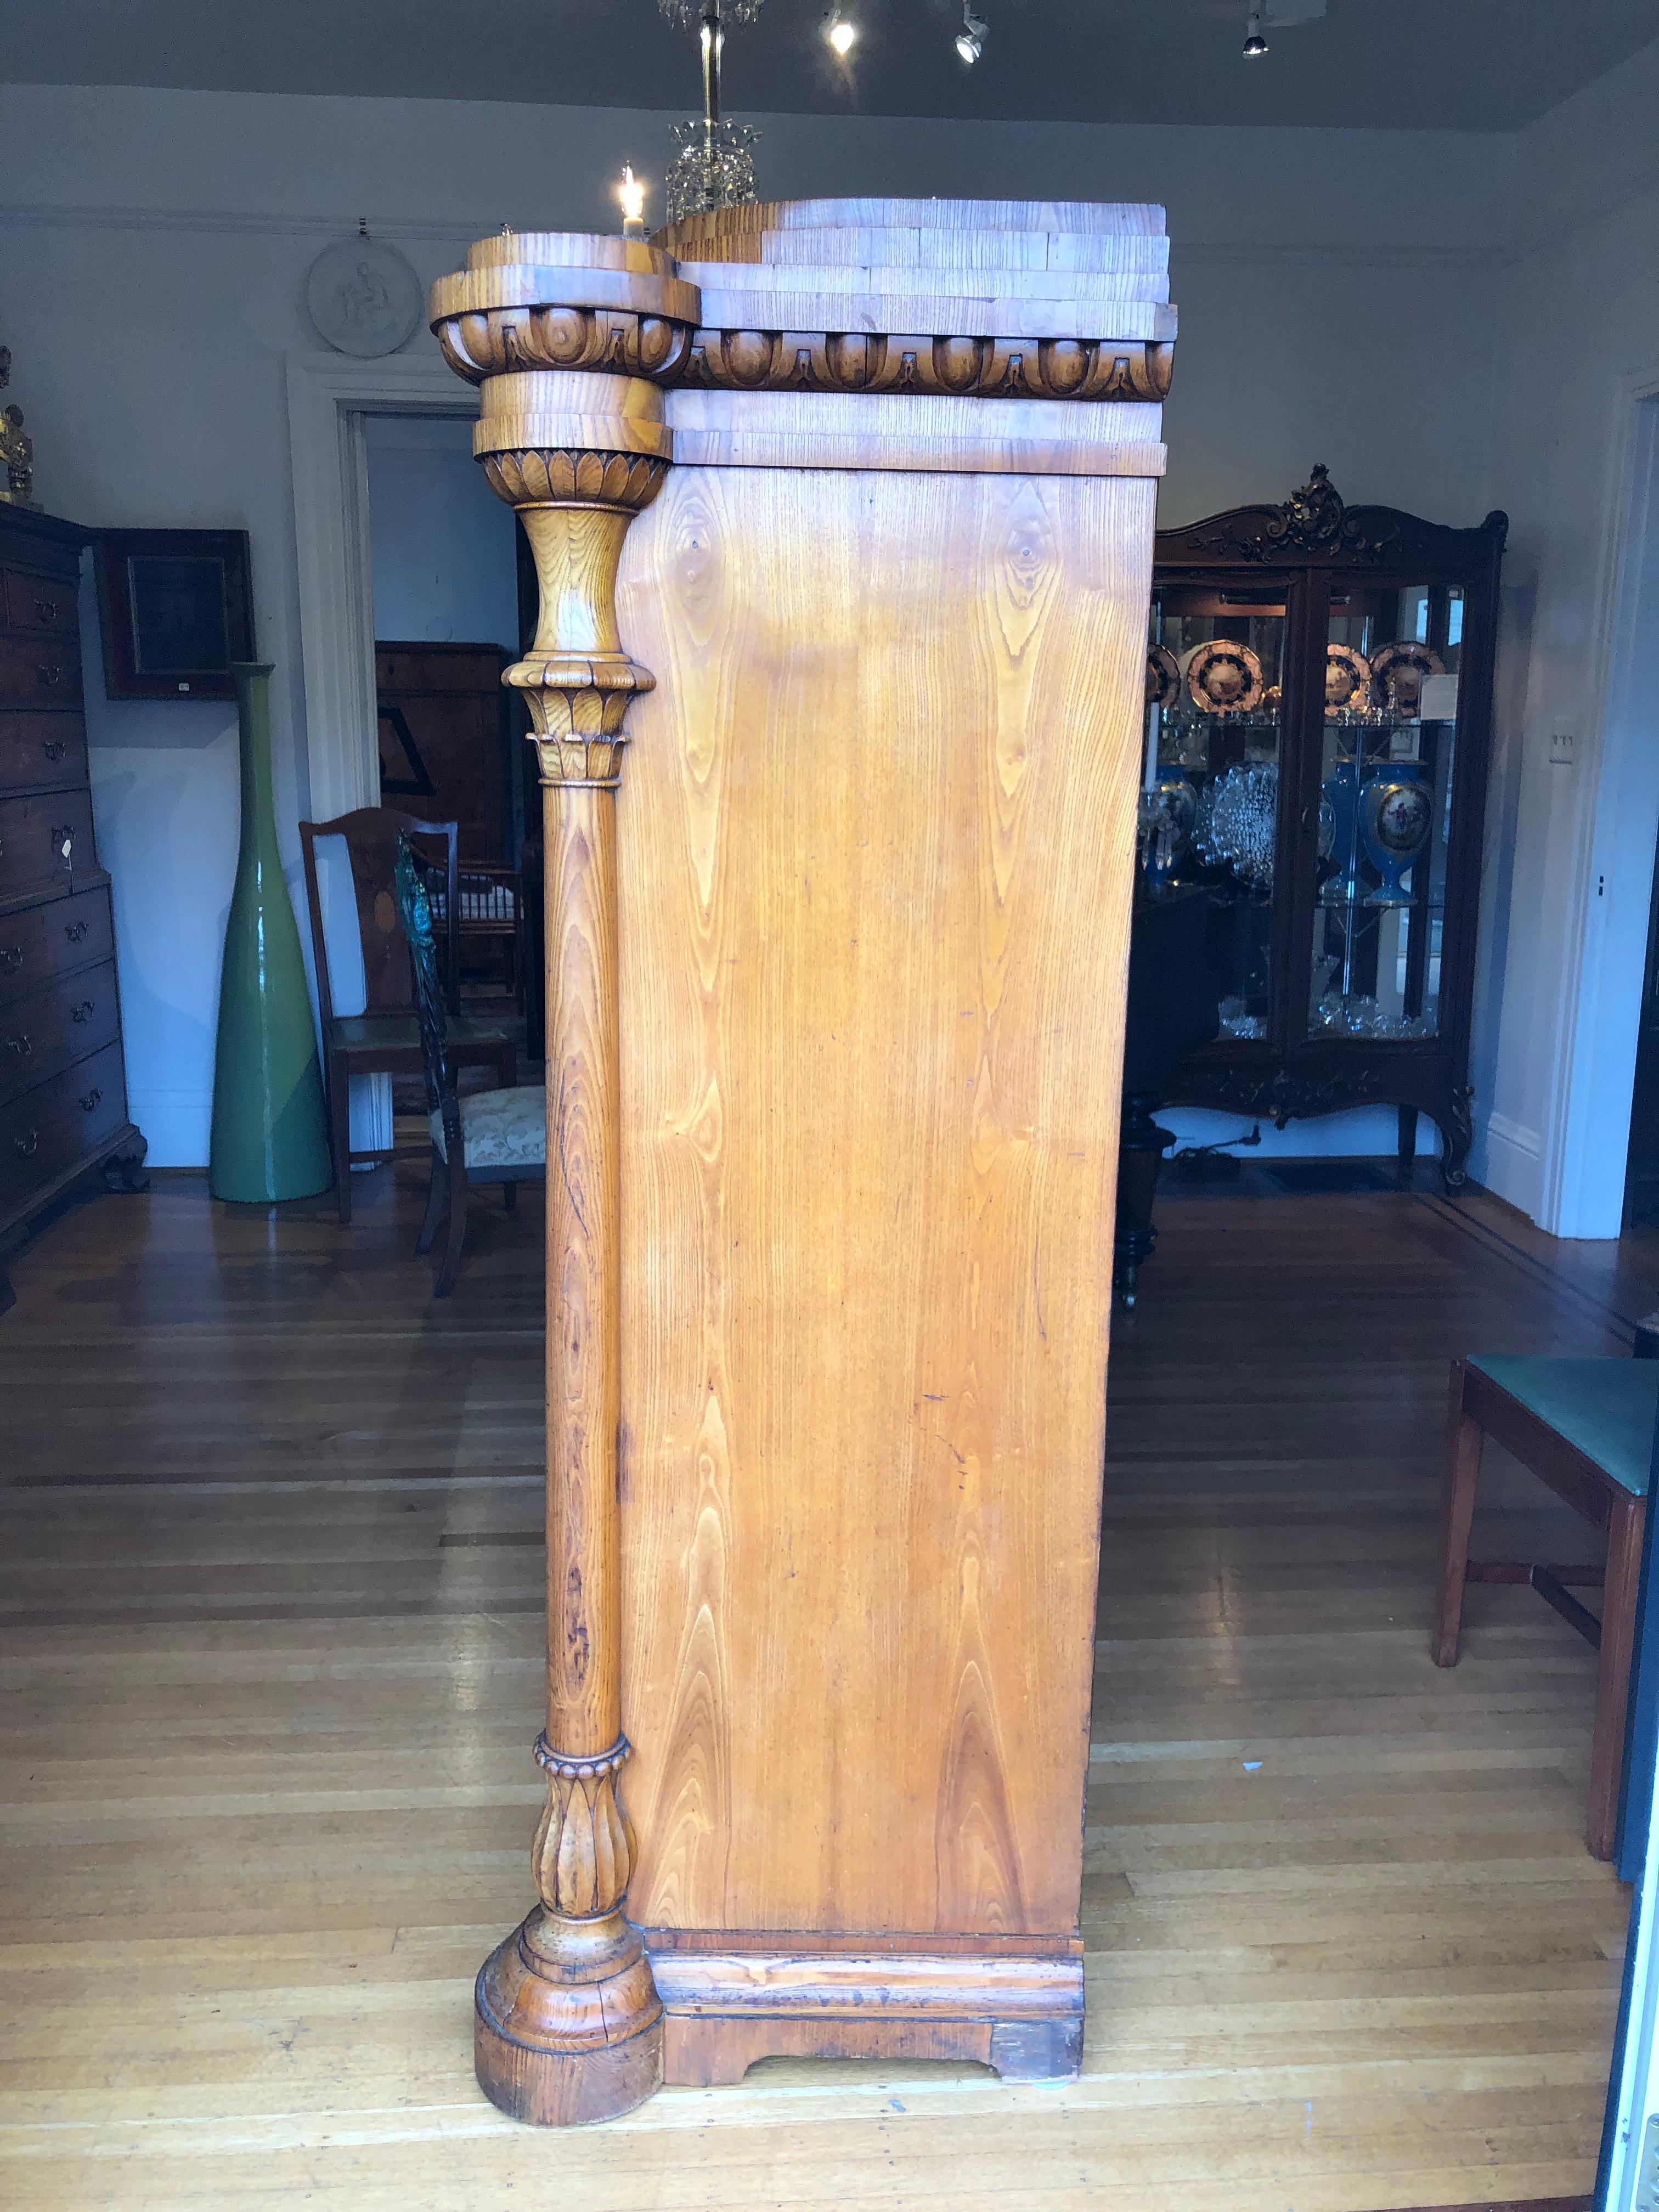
<point x="1019" y="2014"/>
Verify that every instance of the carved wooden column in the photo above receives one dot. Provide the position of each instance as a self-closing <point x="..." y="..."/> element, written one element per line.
<point x="568" y="2022"/>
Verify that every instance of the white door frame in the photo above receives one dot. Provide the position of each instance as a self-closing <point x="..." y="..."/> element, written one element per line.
<point x="1587" y="1131"/>
<point x="329" y="395"/>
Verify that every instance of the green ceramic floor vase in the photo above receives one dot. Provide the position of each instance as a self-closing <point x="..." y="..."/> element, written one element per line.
<point x="269" y="1132"/>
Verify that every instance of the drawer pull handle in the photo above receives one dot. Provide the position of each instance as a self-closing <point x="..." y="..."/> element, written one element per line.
<point x="74" y="930"/>
<point x="65" y="841"/>
<point x="45" y="611"/>
<point x="89" y="1100"/>
<point x="25" y="1146"/>
<point x="22" y="1044"/>
<point x="83" y="1012"/>
<point x="11" y="959"/>
<point x="53" y="748"/>
<point x="50" y="674"/>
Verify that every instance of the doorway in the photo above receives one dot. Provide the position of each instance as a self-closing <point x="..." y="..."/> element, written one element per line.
<point x="1603" y="1156"/>
<point x="1642" y="1159"/>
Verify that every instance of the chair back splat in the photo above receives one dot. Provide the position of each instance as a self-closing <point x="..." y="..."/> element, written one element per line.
<point x="371" y="835"/>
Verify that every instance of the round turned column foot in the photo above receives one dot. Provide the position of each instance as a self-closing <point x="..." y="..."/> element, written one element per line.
<point x="569" y="2028"/>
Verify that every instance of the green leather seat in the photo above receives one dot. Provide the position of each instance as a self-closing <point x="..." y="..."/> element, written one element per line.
<point x="1606" y="1408"/>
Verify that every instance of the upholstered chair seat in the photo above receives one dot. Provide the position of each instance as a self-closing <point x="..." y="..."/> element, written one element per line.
<point x="500" y="1133"/>
<point x="499" y="1128"/>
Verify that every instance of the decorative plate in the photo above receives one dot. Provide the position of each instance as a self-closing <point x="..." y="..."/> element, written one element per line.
<point x="1163" y="677"/>
<point x="1224" y="677"/>
<point x="364" y="297"/>
<point x="1398" y="672"/>
<point x="1347" y="679"/>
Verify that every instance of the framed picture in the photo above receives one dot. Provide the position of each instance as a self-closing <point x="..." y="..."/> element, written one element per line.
<point x="176" y="608"/>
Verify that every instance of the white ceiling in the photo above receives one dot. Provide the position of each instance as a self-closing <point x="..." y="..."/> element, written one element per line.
<point x="1467" y="65"/>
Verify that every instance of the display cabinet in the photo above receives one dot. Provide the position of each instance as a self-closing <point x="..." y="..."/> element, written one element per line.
<point x="1319" y="726"/>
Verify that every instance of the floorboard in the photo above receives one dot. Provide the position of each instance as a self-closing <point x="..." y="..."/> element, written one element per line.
<point x="270" y="1628"/>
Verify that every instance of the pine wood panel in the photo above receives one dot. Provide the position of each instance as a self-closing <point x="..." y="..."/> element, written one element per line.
<point x="271" y="1645"/>
<point x="869" y="1061"/>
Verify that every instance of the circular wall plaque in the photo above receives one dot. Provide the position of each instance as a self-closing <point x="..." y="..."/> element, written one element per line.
<point x="363" y="297"/>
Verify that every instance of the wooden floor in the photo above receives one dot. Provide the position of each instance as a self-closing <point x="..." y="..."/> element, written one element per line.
<point x="271" y="1671"/>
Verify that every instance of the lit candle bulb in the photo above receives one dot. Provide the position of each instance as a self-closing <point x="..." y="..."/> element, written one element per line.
<point x="631" y="193"/>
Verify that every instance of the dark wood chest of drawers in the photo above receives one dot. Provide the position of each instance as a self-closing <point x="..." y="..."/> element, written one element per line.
<point x="62" y="1082"/>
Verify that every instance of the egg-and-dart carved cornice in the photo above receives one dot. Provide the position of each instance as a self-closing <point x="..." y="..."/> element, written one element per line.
<point x="499" y="341"/>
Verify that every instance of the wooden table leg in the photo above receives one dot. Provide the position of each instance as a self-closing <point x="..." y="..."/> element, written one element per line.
<point x="1464" y="1438"/>
<point x="1612" y="1675"/>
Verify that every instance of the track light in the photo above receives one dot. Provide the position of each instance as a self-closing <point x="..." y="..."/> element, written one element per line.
<point x="970" y="38"/>
<point x="840" y="32"/>
<point x="1255" y="44"/>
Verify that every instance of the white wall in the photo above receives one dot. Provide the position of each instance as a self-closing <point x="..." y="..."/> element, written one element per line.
<point x="445" y="564"/>
<point x="1334" y="289"/>
<point x="1570" y="851"/>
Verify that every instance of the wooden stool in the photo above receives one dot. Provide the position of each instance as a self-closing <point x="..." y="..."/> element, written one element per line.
<point x="1585" y="1427"/>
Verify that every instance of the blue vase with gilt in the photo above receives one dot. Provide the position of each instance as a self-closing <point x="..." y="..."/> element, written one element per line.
<point x="1396" y="812"/>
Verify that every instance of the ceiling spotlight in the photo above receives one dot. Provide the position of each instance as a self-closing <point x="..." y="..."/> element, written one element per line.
<point x="970" y="39"/>
<point x="1255" y="44"/>
<point x="840" y="32"/>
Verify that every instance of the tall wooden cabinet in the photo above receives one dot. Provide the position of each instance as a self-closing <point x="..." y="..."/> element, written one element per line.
<point x="62" y="1078"/>
<point x="837" y="895"/>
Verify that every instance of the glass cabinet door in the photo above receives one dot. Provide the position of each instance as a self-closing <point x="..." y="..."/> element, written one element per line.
<point x="1210" y="802"/>
<point x="1384" y="809"/>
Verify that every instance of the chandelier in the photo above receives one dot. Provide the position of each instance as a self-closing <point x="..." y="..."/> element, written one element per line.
<point x="712" y="166"/>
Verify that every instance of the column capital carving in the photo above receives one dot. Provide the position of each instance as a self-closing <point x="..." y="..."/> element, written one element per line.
<point x="577" y="455"/>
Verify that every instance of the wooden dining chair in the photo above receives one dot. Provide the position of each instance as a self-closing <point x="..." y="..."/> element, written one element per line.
<point x="385" y="1039"/>
<point x="488" y="1136"/>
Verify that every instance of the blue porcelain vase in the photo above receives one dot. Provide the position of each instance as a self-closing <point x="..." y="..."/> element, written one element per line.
<point x="1396" y="812"/>
<point x="1340" y="792"/>
<point x="1169" y="809"/>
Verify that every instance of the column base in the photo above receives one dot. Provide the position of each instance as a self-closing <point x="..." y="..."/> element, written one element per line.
<point x="570" y="2026"/>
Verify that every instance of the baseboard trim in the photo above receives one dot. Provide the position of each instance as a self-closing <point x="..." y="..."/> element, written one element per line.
<point x="1507" y="1158"/>
<point x="1516" y="2204"/>
<point x="1019" y="2013"/>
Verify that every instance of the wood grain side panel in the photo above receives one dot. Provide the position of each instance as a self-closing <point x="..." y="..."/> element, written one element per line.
<point x="875" y="839"/>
